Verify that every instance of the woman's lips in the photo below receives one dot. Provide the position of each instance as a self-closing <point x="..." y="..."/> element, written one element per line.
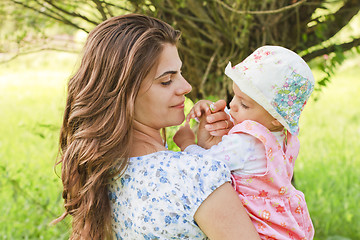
<point x="180" y="105"/>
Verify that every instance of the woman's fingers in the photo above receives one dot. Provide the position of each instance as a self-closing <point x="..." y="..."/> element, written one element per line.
<point x="219" y="133"/>
<point x="216" y="117"/>
<point x="220" y="125"/>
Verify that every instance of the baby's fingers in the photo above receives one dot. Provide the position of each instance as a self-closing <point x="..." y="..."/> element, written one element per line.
<point x="198" y="109"/>
<point x="201" y="107"/>
<point x="191" y="115"/>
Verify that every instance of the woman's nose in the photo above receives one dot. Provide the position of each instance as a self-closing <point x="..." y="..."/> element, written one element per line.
<point x="185" y="87"/>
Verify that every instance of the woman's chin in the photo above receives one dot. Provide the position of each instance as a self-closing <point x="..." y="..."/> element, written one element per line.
<point x="182" y="119"/>
<point x="178" y="121"/>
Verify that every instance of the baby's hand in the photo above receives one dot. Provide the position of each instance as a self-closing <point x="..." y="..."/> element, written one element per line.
<point x="202" y="106"/>
<point x="184" y="136"/>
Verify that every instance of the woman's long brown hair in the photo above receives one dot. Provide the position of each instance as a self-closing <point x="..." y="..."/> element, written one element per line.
<point x="96" y="134"/>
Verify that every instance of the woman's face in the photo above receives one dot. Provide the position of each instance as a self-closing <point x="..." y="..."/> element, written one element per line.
<point x="160" y="101"/>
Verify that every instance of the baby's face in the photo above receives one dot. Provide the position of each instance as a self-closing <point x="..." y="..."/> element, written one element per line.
<point x="242" y="108"/>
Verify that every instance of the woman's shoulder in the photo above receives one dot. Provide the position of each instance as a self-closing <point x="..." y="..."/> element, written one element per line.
<point x="178" y="161"/>
<point x="168" y="167"/>
<point x="163" y="190"/>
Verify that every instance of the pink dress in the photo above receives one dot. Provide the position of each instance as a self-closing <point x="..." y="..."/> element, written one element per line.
<point x="276" y="208"/>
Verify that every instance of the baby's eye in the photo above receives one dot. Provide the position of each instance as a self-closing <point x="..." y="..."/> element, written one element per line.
<point x="244" y="106"/>
<point x="166" y="83"/>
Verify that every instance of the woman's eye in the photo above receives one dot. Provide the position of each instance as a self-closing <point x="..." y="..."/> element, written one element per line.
<point x="166" y="83"/>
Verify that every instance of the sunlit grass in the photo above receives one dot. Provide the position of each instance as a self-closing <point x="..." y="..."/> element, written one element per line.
<point x="31" y="103"/>
<point x="327" y="169"/>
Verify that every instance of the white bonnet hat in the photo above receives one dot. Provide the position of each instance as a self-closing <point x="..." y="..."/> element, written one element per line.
<point x="278" y="79"/>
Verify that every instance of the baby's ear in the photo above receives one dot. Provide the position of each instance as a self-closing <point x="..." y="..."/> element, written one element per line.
<point x="276" y="123"/>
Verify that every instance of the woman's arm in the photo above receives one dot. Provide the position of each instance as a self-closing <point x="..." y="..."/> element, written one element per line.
<point x="222" y="216"/>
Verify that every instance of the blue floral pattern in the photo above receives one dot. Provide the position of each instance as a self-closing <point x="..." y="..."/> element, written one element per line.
<point x="158" y="195"/>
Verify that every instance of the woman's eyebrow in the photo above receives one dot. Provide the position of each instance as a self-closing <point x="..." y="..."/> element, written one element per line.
<point x="166" y="73"/>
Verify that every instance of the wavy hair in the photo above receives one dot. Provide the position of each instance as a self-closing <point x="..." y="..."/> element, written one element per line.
<point x="97" y="128"/>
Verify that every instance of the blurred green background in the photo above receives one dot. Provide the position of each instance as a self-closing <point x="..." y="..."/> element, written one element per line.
<point x="32" y="100"/>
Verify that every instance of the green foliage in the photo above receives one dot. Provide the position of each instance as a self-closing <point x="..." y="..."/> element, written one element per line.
<point x="328" y="66"/>
<point x="23" y="26"/>
<point x="214" y="32"/>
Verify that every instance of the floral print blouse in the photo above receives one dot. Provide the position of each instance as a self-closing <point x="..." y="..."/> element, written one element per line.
<point x="158" y="194"/>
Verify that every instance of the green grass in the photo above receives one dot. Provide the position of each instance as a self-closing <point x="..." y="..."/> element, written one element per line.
<point x="327" y="170"/>
<point x="31" y="105"/>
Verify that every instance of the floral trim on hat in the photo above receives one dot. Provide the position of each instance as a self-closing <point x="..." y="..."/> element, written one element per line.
<point x="290" y="99"/>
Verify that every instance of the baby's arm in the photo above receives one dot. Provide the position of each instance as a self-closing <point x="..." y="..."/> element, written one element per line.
<point x="184" y="136"/>
<point x="236" y="151"/>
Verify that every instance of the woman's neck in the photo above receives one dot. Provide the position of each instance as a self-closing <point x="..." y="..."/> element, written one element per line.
<point x="146" y="140"/>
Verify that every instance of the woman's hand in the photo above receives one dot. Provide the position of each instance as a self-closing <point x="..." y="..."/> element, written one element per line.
<point x="218" y="121"/>
<point x="215" y="124"/>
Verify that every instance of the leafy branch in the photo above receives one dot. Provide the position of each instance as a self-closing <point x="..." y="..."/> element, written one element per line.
<point x="332" y="48"/>
<point x="275" y="11"/>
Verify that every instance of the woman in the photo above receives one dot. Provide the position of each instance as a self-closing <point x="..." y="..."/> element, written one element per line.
<point x="119" y="179"/>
